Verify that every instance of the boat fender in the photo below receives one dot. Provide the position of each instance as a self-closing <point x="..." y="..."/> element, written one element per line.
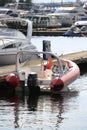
<point x="13" y="79"/>
<point x="56" y="84"/>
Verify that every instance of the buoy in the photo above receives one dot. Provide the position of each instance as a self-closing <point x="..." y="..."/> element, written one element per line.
<point x="13" y="79"/>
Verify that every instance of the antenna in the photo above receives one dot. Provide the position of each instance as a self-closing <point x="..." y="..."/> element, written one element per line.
<point x="77" y="1"/>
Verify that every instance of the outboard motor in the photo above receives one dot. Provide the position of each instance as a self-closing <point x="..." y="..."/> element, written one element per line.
<point x="32" y="83"/>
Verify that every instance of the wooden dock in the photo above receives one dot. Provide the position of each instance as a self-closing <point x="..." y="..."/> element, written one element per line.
<point x="77" y="57"/>
<point x="50" y="32"/>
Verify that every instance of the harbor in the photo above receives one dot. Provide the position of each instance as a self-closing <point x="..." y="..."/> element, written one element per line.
<point x="47" y="104"/>
<point x="43" y="72"/>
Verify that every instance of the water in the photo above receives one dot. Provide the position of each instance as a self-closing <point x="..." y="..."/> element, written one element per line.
<point x="62" y="45"/>
<point x="65" y="111"/>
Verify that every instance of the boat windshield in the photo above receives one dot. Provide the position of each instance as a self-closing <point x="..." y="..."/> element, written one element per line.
<point x="3" y="11"/>
<point x="65" y="11"/>
<point x="11" y="33"/>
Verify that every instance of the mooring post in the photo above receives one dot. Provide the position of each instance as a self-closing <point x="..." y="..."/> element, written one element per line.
<point x="46" y="48"/>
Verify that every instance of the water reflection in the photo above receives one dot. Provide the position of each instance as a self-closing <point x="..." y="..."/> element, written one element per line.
<point x="32" y="103"/>
<point x="40" y="112"/>
<point x="61" y="102"/>
<point x="58" y="99"/>
<point x="16" y="115"/>
<point x="8" y="109"/>
<point x="50" y="110"/>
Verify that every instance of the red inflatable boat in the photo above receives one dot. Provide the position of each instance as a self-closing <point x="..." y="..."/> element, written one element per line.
<point x="52" y="75"/>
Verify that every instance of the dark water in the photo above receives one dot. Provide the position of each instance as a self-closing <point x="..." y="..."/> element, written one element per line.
<point x="67" y="111"/>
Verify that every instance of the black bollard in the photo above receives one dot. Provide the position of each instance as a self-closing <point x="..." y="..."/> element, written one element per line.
<point x="46" y="48"/>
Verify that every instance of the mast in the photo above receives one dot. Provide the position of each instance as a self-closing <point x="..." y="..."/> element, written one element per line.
<point x="61" y="2"/>
<point x="77" y="1"/>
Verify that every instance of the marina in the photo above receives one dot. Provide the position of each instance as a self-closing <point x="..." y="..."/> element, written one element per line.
<point x="45" y="86"/>
<point x="58" y="110"/>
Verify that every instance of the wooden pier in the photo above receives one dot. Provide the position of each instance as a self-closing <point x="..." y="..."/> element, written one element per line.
<point x="79" y="58"/>
<point x="50" y="32"/>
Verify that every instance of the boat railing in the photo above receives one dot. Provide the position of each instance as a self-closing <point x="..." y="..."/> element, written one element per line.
<point x="2" y="40"/>
<point x="60" y="66"/>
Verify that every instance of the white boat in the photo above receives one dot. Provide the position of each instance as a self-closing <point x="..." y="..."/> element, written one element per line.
<point x="15" y="35"/>
<point x="6" y="12"/>
<point x="78" y="29"/>
<point x="43" y="21"/>
<point x="68" y="15"/>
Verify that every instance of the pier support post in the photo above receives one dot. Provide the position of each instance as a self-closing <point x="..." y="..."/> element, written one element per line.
<point x="46" y="48"/>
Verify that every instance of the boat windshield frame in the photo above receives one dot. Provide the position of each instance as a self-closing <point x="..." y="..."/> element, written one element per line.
<point x="39" y="52"/>
<point x="65" y="11"/>
<point x="11" y="33"/>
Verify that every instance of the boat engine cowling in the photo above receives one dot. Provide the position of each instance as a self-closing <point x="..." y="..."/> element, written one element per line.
<point x="32" y="83"/>
<point x="56" y="84"/>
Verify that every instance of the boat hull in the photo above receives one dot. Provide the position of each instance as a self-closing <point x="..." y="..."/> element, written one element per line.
<point x="9" y="58"/>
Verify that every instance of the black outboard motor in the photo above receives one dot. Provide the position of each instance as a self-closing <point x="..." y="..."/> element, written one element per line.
<point x="32" y="83"/>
